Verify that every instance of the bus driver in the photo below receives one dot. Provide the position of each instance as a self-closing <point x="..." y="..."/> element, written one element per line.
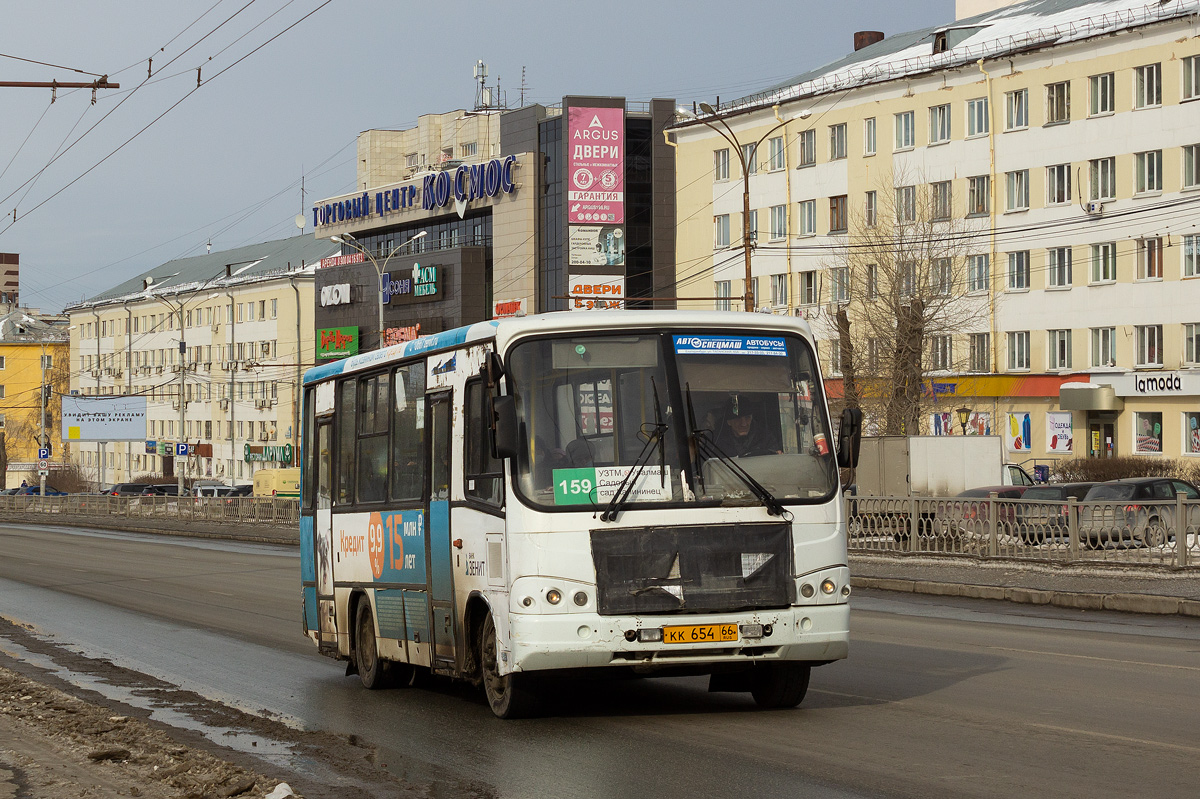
<point x="741" y="432"/>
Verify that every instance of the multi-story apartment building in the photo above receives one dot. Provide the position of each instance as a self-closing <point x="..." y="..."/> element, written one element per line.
<point x="1051" y="152"/>
<point x="217" y="344"/>
<point x="33" y="374"/>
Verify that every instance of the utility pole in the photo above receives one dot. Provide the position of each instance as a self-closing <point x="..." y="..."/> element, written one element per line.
<point x="42" y="435"/>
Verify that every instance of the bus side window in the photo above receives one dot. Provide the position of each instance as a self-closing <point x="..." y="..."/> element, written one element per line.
<point x="408" y="432"/>
<point x="346" y="407"/>
<point x="484" y="474"/>
<point x="373" y="438"/>
<point x="308" y="451"/>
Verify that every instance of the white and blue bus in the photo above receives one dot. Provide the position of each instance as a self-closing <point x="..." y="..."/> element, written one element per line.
<point x="638" y="490"/>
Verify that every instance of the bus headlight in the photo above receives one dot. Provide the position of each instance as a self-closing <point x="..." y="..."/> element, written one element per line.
<point x="807" y="590"/>
<point x="554" y="596"/>
<point x="580" y="598"/>
<point x="828" y="586"/>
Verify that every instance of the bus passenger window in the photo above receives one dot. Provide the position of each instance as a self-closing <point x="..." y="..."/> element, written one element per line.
<point x="484" y="474"/>
<point x="345" y="443"/>
<point x="373" y="439"/>
<point x="408" y="432"/>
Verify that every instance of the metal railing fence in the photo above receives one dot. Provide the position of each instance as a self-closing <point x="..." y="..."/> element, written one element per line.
<point x="1159" y="532"/>
<point x="274" y="511"/>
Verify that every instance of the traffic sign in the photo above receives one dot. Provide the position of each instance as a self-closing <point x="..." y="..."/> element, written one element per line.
<point x="43" y="453"/>
<point x="181" y="450"/>
<point x="43" y="472"/>
<point x="43" y="465"/>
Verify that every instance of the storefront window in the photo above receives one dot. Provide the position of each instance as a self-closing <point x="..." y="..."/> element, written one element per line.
<point x="1191" y="433"/>
<point x="1147" y="432"/>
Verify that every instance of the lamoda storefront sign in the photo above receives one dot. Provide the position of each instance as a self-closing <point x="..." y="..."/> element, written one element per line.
<point x="460" y="186"/>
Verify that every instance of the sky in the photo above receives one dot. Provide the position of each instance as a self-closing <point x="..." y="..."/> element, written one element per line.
<point x="161" y="167"/>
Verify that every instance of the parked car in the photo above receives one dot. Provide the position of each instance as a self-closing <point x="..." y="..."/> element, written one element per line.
<point x="1140" y="510"/>
<point x="126" y="490"/>
<point x="10" y="491"/>
<point x="974" y="514"/>
<point x="1036" y="521"/>
<point x="36" y="490"/>
<point x="210" y="490"/>
<point x="161" y="490"/>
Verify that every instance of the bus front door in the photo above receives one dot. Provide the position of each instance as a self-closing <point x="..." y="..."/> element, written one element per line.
<point x="441" y="576"/>
<point x="323" y="539"/>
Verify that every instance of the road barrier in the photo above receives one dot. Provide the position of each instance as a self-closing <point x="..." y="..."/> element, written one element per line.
<point x="272" y="511"/>
<point x="1160" y="532"/>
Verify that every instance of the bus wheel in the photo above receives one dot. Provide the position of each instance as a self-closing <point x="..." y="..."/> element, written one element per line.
<point x="508" y="695"/>
<point x="366" y="654"/>
<point x="778" y="685"/>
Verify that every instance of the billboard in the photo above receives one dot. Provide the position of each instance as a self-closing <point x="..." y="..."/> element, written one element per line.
<point x="596" y="292"/>
<point x="596" y="245"/>
<point x="103" y="418"/>
<point x="596" y="165"/>
<point x="337" y="342"/>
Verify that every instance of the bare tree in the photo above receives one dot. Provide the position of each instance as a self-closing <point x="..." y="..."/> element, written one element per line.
<point x="903" y="300"/>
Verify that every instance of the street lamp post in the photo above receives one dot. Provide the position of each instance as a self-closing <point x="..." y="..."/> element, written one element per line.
<point x="728" y="135"/>
<point x="350" y="241"/>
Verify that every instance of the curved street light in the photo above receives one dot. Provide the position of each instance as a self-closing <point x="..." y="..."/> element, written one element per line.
<point x="350" y="241"/>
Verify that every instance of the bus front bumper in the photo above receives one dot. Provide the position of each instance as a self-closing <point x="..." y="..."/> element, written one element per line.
<point x="814" y="634"/>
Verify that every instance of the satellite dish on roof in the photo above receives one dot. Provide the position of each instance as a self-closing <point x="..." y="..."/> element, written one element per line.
<point x="300" y="221"/>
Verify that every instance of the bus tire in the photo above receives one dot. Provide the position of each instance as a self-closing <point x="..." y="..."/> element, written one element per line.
<point x="779" y="685"/>
<point x="508" y="696"/>
<point x="366" y="654"/>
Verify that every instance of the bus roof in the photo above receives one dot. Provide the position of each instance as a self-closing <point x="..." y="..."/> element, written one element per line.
<point x="556" y="322"/>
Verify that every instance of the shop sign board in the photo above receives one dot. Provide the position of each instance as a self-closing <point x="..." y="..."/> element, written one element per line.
<point x="596" y="245"/>
<point x="595" y="165"/>
<point x="337" y="342"/>
<point x="503" y="309"/>
<point x="341" y="260"/>
<point x="422" y="282"/>
<point x="1059" y="437"/>
<point x="103" y="418"/>
<point x="336" y="294"/>
<point x="268" y="453"/>
<point x="596" y="292"/>
<point x="1151" y="384"/>
<point x="399" y="335"/>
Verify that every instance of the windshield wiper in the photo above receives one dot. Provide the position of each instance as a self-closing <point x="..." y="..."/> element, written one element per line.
<point x="621" y="497"/>
<point x="706" y="447"/>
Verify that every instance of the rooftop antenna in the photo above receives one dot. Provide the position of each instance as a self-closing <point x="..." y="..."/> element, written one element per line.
<point x="300" y="217"/>
<point x="483" y="96"/>
<point x="523" y="87"/>
<point x="209" y="246"/>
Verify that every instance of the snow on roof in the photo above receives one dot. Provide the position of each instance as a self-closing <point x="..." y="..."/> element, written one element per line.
<point x="1004" y="31"/>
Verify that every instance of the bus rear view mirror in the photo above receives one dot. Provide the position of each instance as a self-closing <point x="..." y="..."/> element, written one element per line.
<point x="504" y="427"/>
<point x="493" y="370"/>
<point x="850" y="438"/>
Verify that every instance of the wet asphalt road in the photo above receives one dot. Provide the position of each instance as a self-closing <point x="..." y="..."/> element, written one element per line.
<point x="939" y="697"/>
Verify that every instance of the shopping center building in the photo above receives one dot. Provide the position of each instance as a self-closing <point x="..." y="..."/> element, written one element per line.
<point x="1032" y="171"/>
<point x="474" y="215"/>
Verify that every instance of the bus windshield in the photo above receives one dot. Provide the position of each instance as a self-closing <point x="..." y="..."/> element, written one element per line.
<point x="677" y="417"/>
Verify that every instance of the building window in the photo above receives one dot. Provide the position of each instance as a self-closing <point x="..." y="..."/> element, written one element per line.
<point x="979" y="201"/>
<point x="1147" y="86"/>
<point x="750" y="157"/>
<point x="981" y="352"/>
<point x="1104" y="262"/>
<point x="872" y="354"/>
<point x="906" y="204"/>
<point x="1103" y="95"/>
<point x="870" y="204"/>
<point x="808" y="288"/>
<point x="872" y="282"/>
<point x="907" y="278"/>
<point x="1191" y="341"/>
<point x="1018" y="271"/>
<point x="777" y="159"/>
<point x="1018" y="190"/>
<point x="943" y="277"/>
<point x="939" y="124"/>
<point x="941" y="353"/>
<point x="1" y="391"/>
<point x="778" y="221"/>
<point x="808" y="147"/>
<point x="837" y="214"/>
<point x="835" y="361"/>
<point x="1191" y="166"/>
<point x="808" y="217"/>
<point x="977" y="117"/>
<point x="274" y="309"/>
<point x="1149" y="345"/>
<point x="904" y="131"/>
<point x="723" y="289"/>
<point x="1191" y="77"/>
<point x="1058" y="103"/>
<point x="1" y="361"/>
<point x="467" y="149"/>
<point x="779" y="290"/>
<point x="1058" y="184"/>
<point x="942" y="200"/>
<point x="1060" y="349"/>
<point x="47" y="362"/>
<point x="1060" y="267"/>
<point x="1018" y="349"/>
<point x="721" y="230"/>
<point x="1150" y="259"/>
<point x="869" y="136"/>
<point x="1191" y="261"/>
<point x="1104" y="346"/>
<point x="721" y="164"/>
<point x="839" y="285"/>
<point x="1104" y="178"/>
<point x="1149" y="172"/>
<point x="837" y="142"/>
<point x="1017" y="107"/>
<point x="410" y="160"/>
<point x="978" y="277"/>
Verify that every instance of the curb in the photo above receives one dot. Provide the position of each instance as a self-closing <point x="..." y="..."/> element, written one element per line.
<point x="1124" y="603"/>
